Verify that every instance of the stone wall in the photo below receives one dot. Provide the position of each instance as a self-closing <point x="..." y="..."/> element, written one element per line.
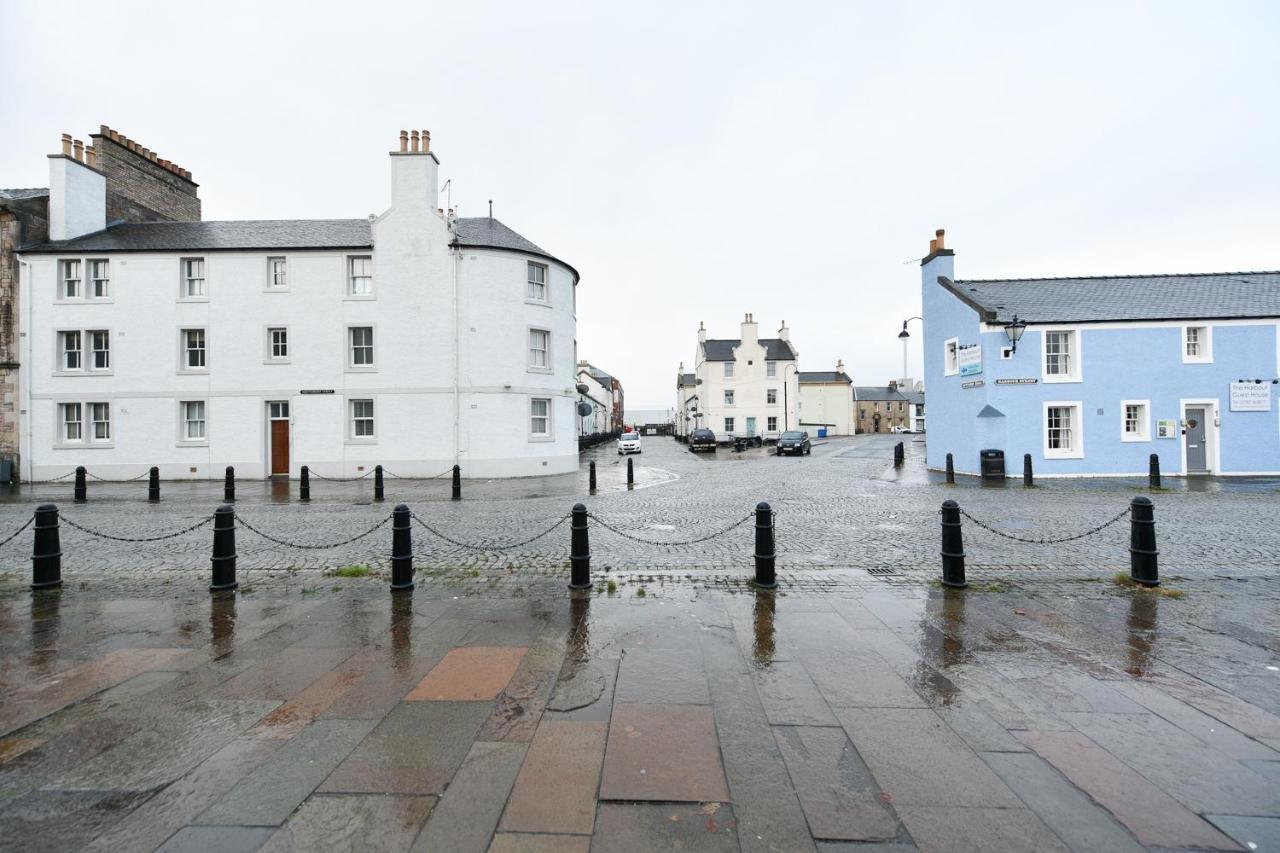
<point x="142" y="187"/>
<point x="21" y="221"/>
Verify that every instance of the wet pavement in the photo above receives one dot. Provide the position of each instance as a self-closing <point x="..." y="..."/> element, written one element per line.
<point x="670" y="707"/>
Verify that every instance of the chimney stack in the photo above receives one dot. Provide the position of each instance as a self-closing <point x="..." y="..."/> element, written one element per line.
<point x="784" y="333"/>
<point x="77" y="192"/>
<point x="702" y="332"/>
<point x="840" y="365"/>
<point x="415" y="173"/>
<point x="750" y="331"/>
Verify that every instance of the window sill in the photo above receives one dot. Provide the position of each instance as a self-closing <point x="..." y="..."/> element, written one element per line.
<point x="545" y="370"/>
<point x="1134" y="439"/>
<point x="1197" y="360"/>
<point x="362" y="368"/>
<point x="275" y="290"/>
<point x="542" y="302"/>
<point x="352" y="297"/>
<point x="194" y="371"/>
<point x="92" y="445"/>
<point x="201" y="443"/>
<point x="1067" y="455"/>
<point x="373" y="440"/>
<point x="276" y="361"/>
<point x="1060" y="380"/>
<point x="193" y="299"/>
<point x="541" y="438"/>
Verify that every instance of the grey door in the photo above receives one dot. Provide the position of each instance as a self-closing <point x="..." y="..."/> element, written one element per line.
<point x="1197" y="458"/>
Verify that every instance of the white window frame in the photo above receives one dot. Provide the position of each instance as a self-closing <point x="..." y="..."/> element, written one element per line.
<point x="183" y="365"/>
<point x="91" y="280"/>
<point x="770" y="369"/>
<point x="185" y="279"/>
<point x="1144" y="421"/>
<point x="951" y="357"/>
<point x="549" y="434"/>
<point x="271" y="286"/>
<point x="1075" y="354"/>
<point x="269" y="345"/>
<point x="729" y="423"/>
<point x="60" y="353"/>
<point x="90" y="422"/>
<point x="372" y="418"/>
<point x="60" y="410"/>
<point x="529" y="350"/>
<point x="545" y="298"/>
<point x="350" y="285"/>
<point x="184" y="438"/>
<point x="91" y="350"/>
<point x="729" y="396"/>
<point x="350" y="343"/>
<point x="1206" y="345"/>
<point x="1077" y="429"/>
<point x="729" y="368"/>
<point x="771" y="423"/>
<point x="63" y="278"/>
<point x="771" y="392"/>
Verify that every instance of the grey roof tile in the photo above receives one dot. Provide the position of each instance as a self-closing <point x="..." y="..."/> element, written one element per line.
<point x="872" y="393"/>
<point x="824" y="376"/>
<point x="775" y="349"/>
<point x="214" y="236"/>
<point x="1142" y="297"/>
<point x="17" y="194"/>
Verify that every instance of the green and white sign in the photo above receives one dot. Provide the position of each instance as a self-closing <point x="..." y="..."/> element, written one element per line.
<point x="970" y="360"/>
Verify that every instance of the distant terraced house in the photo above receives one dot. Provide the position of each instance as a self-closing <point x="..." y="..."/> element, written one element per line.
<point x="416" y="339"/>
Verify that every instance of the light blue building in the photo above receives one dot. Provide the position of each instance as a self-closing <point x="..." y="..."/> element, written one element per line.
<point x="1093" y="375"/>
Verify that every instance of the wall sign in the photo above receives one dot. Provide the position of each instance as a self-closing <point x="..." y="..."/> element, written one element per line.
<point x="1166" y="429"/>
<point x="1250" y="396"/>
<point x="970" y="360"/>
<point x="1017" y="381"/>
<point x="316" y="391"/>
<point x="977" y="383"/>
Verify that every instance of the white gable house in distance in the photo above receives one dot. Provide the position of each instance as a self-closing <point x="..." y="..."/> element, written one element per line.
<point x="747" y="387"/>
<point x="415" y="339"/>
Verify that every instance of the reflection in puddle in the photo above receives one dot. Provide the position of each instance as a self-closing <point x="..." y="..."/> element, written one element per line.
<point x="401" y="632"/>
<point x="941" y="649"/>
<point x="279" y="489"/>
<point x="1141" y="623"/>
<point x="222" y="622"/>
<point x="763" y="646"/>
<point x="46" y="628"/>
<point x="578" y="640"/>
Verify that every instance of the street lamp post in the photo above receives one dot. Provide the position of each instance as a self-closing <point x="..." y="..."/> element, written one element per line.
<point x="786" y="409"/>
<point x="903" y="336"/>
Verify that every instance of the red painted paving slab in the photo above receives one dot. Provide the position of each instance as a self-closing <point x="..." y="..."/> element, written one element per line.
<point x="665" y="753"/>
<point x="294" y="715"/>
<point x="469" y="673"/>
<point x="1154" y="817"/>
<point x="556" y="789"/>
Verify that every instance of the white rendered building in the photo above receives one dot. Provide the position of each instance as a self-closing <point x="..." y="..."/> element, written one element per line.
<point x="413" y="339"/>
<point x="747" y="386"/>
<point x="826" y="402"/>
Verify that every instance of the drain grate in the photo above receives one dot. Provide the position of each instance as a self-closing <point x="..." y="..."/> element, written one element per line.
<point x="881" y="570"/>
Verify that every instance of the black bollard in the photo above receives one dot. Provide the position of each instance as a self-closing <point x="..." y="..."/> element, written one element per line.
<point x="952" y="546"/>
<point x="579" y="550"/>
<point x="897" y="455"/>
<point x="951" y="471"/>
<point x="1153" y="475"/>
<point x="224" y="549"/>
<point x="229" y="485"/>
<point x="401" y="549"/>
<point x="1143" y="566"/>
<point x="46" y="549"/>
<point x="81" y="492"/>
<point x="1028" y="478"/>
<point x="591" y="477"/>
<point x="457" y="483"/>
<point x="153" y="485"/>
<point x="304" y="485"/>
<point x="378" y="494"/>
<point x="631" y="474"/>
<point x="765" y="553"/>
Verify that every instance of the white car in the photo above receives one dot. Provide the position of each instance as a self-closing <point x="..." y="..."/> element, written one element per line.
<point x="629" y="442"/>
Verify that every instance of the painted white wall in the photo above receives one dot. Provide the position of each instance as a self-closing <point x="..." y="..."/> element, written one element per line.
<point x="444" y="389"/>
<point x="77" y="198"/>
<point x="827" y="404"/>
<point x="601" y="396"/>
<point x="749" y="383"/>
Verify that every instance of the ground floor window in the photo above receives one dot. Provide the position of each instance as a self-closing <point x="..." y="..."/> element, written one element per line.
<point x="728" y="425"/>
<point x="72" y="425"/>
<point x="540" y="417"/>
<point x="773" y="424"/>
<point x="1135" y="422"/>
<point x="1062" y="436"/>
<point x="193" y="423"/>
<point x="100" y="413"/>
<point x="84" y="423"/>
<point x="362" y="419"/>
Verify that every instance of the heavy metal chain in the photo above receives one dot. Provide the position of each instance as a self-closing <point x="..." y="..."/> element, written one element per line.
<point x="101" y="535"/>
<point x="443" y="473"/>
<point x="128" y="480"/>
<point x="625" y="535"/>
<point x="368" y="473"/>
<point x="15" y="533"/>
<point x="490" y="546"/>
<point x="309" y="546"/>
<point x="1029" y="541"/>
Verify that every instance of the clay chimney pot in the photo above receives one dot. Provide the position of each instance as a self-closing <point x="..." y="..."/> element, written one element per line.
<point x="66" y="145"/>
<point x="413" y="139"/>
<point x="79" y="150"/>
<point x="933" y="245"/>
<point x="426" y="141"/>
<point x="941" y="234"/>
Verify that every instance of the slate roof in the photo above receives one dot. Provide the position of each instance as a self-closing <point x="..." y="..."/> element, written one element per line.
<point x="1141" y="297"/>
<point x="19" y="194"/>
<point x="817" y="376"/>
<point x="246" y="235"/>
<point x="775" y="349"/>
<point x="872" y="393"/>
<point x="916" y="397"/>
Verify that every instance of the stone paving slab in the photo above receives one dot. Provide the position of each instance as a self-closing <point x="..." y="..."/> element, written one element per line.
<point x="350" y="824"/>
<point x="840" y="798"/>
<point x="627" y="827"/>
<point x="556" y="789"/>
<point x="465" y="817"/>
<point x="663" y="752"/>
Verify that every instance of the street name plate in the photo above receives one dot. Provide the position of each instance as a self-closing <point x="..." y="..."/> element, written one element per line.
<point x="1017" y="381"/>
<point x="977" y="383"/>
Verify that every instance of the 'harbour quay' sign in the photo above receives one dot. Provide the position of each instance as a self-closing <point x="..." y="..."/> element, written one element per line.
<point x="1250" y="396"/>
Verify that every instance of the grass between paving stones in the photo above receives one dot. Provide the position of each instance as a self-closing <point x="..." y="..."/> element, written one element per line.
<point x="1121" y="579"/>
<point x="355" y="571"/>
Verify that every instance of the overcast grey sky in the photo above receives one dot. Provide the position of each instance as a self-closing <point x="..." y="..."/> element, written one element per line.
<point x="698" y="161"/>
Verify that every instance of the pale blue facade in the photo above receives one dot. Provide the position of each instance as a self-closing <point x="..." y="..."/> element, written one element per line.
<point x="1139" y="363"/>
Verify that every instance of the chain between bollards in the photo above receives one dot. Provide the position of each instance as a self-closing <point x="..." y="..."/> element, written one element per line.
<point x="401" y="549"/>
<point x="457" y="483"/>
<point x="46" y="549"/>
<point x="224" y="549"/>
<point x="304" y="485"/>
<point x="579" y="549"/>
<point x="153" y="485"/>
<point x="81" y="490"/>
<point x="1028" y="478"/>
<point x="591" y="477"/>
<point x="378" y="494"/>
<point x="951" y="471"/>
<point x="766" y="554"/>
<point x="1143" y="555"/>
<point x="952" y="546"/>
<point x="1153" y="475"/>
<point x="229" y="485"/>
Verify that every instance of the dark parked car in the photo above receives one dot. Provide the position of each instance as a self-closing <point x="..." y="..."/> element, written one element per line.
<point x="702" y="439"/>
<point x="794" y="442"/>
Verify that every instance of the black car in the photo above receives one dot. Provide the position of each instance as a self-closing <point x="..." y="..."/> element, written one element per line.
<point x="794" y="442"/>
<point x="702" y="439"/>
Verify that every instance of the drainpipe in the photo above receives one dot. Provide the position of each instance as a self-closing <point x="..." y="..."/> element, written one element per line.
<point x="457" y="360"/>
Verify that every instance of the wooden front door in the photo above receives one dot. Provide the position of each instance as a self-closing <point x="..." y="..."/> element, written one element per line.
<point x="279" y="447"/>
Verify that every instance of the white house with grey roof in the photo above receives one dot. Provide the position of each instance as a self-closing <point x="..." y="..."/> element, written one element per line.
<point x="1092" y="376"/>
<point x="415" y="339"/>
<point x="746" y="387"/>
<point x="826" y="402"/>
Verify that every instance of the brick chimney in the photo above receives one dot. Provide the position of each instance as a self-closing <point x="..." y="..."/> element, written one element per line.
<point x="142" y="186"/>
<point x="415" y="173"/>
<point x="77" y="193"/>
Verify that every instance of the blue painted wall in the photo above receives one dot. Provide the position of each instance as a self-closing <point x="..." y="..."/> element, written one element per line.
<point x="1131" y="361"/>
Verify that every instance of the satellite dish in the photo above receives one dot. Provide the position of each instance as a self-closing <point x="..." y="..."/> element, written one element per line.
<point x="584" y="409"/>
<point x="582" y="388"/>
